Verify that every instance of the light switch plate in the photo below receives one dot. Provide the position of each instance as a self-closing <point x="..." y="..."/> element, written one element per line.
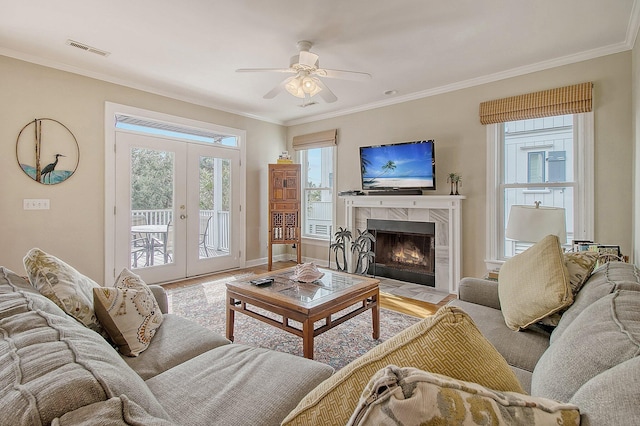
<point x="35" y="204"/>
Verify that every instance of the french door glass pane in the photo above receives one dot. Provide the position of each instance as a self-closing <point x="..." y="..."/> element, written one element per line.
<point x="215" y="193"/>
<point x="152" y="207"/>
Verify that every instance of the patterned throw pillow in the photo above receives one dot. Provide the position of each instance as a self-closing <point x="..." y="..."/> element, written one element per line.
<point x="580" y="265"/>
<point x="534" y="284"/>
<point x="66" y="287"/>
<point x="409" y="396"/>
<point x="446" y="343"/>
<point x="129" y="312"/>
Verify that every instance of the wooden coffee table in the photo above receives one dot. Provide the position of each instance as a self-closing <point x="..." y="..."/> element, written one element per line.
<point x="306" y="303"/>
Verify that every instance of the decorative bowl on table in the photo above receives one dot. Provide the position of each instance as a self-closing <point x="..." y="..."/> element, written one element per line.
<point x="306" y="273"/>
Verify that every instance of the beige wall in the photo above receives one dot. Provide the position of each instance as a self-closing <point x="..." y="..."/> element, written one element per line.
<point x="452" y="120"/>
<point x="73" y="229"/>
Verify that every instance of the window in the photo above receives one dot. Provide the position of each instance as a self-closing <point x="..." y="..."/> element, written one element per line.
<point x="549" y="160"/>
<point x="317" y="192"/>
<point x="536" y="167"/>
<point x="558" y="122"/>
<point x="152" y="127"/>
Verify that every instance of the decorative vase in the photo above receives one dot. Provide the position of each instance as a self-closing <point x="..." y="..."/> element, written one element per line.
<point x="452" y="184"/>
<point x="457" y="193"/>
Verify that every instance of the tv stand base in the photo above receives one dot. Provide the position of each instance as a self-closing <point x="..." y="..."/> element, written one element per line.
<point x="397" y="192"/>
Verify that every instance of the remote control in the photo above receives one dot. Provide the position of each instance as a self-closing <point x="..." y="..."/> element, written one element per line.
<point x="262" y="281"/>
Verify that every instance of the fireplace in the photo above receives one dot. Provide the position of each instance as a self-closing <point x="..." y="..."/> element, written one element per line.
<point x="404" y="250"/>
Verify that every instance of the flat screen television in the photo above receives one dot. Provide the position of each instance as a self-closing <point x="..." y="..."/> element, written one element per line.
<point x="398" y="166"/>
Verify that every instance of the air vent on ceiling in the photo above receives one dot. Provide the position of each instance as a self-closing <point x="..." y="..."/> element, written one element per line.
<point x="88" y="48"/>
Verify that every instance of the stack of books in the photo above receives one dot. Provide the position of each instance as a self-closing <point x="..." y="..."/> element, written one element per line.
<point x="608" y="252"/>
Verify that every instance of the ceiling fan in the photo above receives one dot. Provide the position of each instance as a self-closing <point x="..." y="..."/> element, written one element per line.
<point x="306" y="82"/>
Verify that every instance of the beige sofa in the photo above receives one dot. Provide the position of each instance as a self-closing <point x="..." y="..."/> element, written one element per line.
<point x="591" y="359"/>
<point x="53" y="370"/>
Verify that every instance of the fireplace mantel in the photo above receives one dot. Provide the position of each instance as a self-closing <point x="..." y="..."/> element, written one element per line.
<point x="444" y="210"/>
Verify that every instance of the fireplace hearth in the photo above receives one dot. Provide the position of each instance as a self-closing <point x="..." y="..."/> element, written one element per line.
<point x="404" y="250"/>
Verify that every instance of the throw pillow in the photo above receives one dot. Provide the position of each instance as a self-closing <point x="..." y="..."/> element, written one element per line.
<point x="65" y="286"/>
<point x="534" y="284"/>
<point x="128" y="312"/>
<point x="580" y="264"/>
<point x="409" y="396"/>
<point x="446" y="343"/>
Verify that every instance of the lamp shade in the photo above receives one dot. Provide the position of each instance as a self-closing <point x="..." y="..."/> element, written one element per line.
<point x="533" y="223"/>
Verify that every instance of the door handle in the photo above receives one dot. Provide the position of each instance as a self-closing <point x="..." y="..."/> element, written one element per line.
<point x="183" y="216"/>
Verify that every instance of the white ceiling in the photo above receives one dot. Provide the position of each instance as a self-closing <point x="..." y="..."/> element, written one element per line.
<point x="190" y="49"/>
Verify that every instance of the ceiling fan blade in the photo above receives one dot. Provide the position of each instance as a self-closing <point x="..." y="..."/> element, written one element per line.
<point x="307" y="58"/>
<point x="344" y="75"/>
<point x="325" y="93"/>
<point x="289" y="70"/>
<point x="276" y="90"/>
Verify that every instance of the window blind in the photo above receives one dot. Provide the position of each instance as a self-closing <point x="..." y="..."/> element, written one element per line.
<point x="563" y="100"/>
<point x="315" y="140"/>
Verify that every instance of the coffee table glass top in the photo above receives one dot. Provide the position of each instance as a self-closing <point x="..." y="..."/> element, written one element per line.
<point x="329" y="284"/>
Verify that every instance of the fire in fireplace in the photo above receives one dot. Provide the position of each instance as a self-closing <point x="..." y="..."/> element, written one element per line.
<point x="404" y="250"/>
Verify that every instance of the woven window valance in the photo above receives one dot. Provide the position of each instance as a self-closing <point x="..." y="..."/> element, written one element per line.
<point x="315" y="140"/>
<point x="564" y="100"/>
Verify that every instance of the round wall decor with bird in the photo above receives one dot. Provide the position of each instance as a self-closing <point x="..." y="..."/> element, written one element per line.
<point x="47" y="151"/>
<point x="307" y="81"/>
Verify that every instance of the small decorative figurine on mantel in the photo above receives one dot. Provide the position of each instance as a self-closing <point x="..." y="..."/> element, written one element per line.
<point x="455" y="180"/>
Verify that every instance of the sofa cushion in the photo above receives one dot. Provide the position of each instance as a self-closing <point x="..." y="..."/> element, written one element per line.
<point x="407" y="396"/>
<point x="116" y="411"/>
<point x="129" y="313"/>
<point x="51" y="364"/>
<point x="604" y="335"/>
<point x="64" y="285"/>
<point x="237" y="385"/>
<point x="446" y="343"/>
<point x="611" y="397"/>
<point x="177" y="341"/>
<point x="534" y="284"/>
<point x="509" y="343"/>
<point x="606" y="279"/>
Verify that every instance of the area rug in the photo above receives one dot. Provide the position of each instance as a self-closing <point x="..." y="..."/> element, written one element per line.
<point x="205" y="304"/>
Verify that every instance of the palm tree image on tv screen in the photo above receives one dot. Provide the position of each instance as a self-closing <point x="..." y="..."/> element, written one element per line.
<point x="409" y="165"/>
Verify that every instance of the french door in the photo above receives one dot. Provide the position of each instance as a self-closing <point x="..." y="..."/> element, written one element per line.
<point x="175" y="201"/>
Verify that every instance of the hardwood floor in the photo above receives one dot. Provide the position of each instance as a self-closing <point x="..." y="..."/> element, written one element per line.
<point x="262" y="269"/>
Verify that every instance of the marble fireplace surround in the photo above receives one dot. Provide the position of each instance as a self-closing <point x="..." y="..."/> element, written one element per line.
<point x="445" y="211"/>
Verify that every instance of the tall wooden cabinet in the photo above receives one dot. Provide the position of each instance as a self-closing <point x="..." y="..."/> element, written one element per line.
<point x="284" y="207"/>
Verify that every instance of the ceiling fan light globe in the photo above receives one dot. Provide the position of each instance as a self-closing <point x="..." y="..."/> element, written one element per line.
<point x="310" y="85"/>
<point x="294" y="86"/>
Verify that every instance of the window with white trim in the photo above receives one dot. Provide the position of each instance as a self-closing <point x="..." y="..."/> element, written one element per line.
<point x="557" y="122"/>
<point x="549" y="160"/>
<point x="316" y="154"/>
<point x="317" y="192"/>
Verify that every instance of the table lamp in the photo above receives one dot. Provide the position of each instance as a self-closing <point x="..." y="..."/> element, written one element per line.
<point x="533" y="223"/>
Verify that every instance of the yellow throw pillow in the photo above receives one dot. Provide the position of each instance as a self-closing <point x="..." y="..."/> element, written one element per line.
<point x="447" y="343"/>
<point x="411" y="396"/>
<point x="65" y="286"/>
<point x="534" y="284"/>
<point x="129" y="312"/>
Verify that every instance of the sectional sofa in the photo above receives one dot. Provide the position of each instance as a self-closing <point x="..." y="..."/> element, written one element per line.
<point x="54" y="370"/>
<point x="477" y="359"/>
